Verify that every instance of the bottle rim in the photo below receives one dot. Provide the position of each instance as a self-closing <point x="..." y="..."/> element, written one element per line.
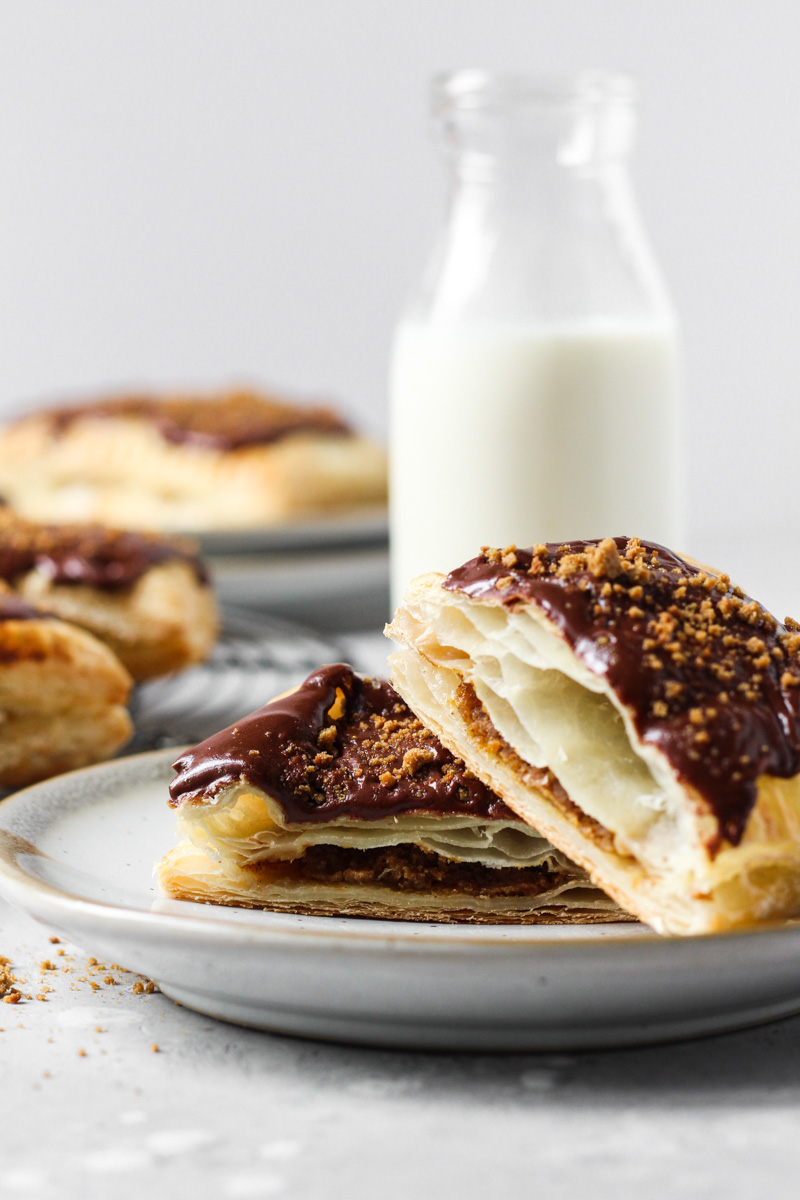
<point x="478" y="90"/>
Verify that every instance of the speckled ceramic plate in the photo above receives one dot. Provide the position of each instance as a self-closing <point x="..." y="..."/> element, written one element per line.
<point x="78" y="852"/>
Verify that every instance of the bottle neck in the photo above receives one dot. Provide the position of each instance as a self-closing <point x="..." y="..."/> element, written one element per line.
<point x="542" y="219"/>
<point x="542" y="235"/>
<point x="516" y="188"/>
<point x="495" y="123"/>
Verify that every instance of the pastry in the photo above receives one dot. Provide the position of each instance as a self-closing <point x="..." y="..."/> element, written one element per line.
<point x="233" y="460"/>
<point x="62" y="696"/>
<point x="335" y="799"/>
<point x="147" y="597"/>
<point x="640" y="712"/>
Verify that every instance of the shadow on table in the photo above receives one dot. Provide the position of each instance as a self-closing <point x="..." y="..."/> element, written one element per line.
<point x="756" y="1066"/>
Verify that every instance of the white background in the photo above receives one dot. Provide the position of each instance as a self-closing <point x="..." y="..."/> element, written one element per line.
<point x="215" y="190"/>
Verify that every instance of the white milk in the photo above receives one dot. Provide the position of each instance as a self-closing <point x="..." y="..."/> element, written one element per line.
<point x="502" y="434"/>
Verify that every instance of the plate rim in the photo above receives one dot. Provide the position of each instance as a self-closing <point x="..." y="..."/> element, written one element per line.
<point x="16" y="882"/>
<point x="345" y="530"/>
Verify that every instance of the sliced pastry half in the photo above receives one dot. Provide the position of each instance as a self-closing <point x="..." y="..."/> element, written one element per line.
<point x="62" y="696"/>
<point x="148" y="597"/>
<point x="642" y="713"/>
<point x="335" y="799"/>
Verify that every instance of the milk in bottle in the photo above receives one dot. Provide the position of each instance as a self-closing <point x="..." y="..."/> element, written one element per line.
<point x="534" y="381"/>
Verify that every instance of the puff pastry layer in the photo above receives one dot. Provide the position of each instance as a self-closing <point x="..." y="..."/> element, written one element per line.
<point x="643" y="714"/>
<point x="336" y="799"/>
<point x="234" y="460"/>
<point x="62" y="696"/>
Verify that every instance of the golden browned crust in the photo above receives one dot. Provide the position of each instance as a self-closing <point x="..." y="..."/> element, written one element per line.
<point x="35" y="747"/>
<point x="417" y="910"/>
<point x="62" y="700"/>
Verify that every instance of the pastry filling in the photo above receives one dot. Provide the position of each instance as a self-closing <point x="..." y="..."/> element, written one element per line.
<point x="409" y="868"/>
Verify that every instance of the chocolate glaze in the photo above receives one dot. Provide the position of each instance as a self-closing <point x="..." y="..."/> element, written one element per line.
<point x="87" y="554"/>
<point x="707" y="675"/>
<point x="228" y="422"/>
<point x="340" y="746"/>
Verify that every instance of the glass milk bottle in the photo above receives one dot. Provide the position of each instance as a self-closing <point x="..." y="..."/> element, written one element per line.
<point x="534" y="377"/>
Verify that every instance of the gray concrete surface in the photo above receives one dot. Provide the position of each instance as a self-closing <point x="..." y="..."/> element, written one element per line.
<point x="219" y="1111"/>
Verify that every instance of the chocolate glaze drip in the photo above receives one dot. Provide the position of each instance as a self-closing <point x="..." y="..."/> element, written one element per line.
<point x="708" y="675"/>
<point x="340" y="746"/>
<point x="87" y="554"/>
<point x="228" y="422"/>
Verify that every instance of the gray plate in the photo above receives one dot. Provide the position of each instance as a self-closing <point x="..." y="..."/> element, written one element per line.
<point x="340" y="589"/>
<point x="78" y="852"/>
<point x="359" y="529"/>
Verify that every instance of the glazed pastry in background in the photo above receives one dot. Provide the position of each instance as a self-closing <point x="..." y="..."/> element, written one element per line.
<point x="62" y="696"/>
<point x="642" y="713"/>
<point x="227" y="461"/>
<point x="335" y="799"/>
<point x="146" y="596"/>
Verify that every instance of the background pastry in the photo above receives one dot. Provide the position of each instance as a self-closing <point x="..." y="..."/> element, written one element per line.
<point x="62" y="696"/>
<point x="336" y="800"/>
<point x="233" y="460"/>
<point x="643" y="714"/>
<point x="147" y="597"/>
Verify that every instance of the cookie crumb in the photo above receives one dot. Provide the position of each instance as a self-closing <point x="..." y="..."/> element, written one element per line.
<point x="603" y="560"/>
<point x="415" y="758"/>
